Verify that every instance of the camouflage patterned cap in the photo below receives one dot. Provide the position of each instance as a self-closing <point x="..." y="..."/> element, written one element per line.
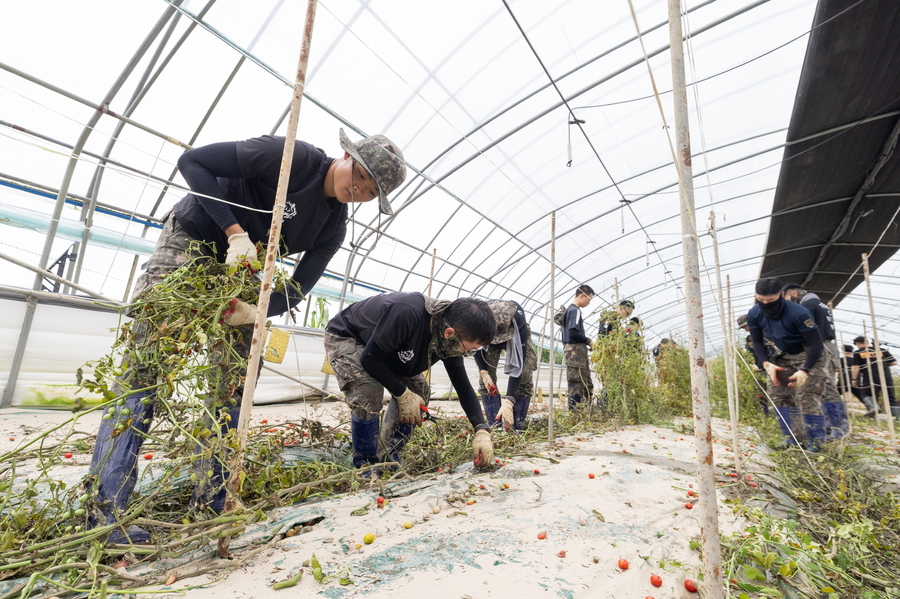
<point x="742" y="321"/>
<point x="382" y="159"/>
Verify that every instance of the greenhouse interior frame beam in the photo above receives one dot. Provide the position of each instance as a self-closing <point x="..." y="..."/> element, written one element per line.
<point x="99" y="111"/>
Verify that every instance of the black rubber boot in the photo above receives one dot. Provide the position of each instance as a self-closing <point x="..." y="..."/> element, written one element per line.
<point x="113" y="471"/>
<point x="520" y="412"/>
<point x="574" y="401"/>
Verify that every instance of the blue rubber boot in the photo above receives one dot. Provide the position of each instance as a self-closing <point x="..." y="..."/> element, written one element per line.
<point x="210" y="491"/>
<point x="491" y="405"/>
<point x="364" y="434"/>
<point x="815" y="431"/>
<point x="836" y="416"/>
<point x="784" y="421"/>
<point x="394" y="434"/>
<point x="113" y="472"/>
<point x="520" y="412"/>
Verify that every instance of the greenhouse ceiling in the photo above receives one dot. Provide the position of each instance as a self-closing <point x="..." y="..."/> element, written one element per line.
<point x="507" y="113"/>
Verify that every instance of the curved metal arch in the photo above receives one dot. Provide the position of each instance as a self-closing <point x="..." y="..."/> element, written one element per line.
<point x="556" y="105"/>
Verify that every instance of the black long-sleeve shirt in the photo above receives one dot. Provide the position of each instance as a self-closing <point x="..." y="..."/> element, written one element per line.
<point x="246" y="173"/>
<point x="573" y="326"/>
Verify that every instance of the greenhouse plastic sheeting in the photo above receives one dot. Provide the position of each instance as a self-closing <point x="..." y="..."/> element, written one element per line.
<point x="506" y="113"/>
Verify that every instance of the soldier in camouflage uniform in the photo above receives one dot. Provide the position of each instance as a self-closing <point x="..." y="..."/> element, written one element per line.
<point x="233" y="188"/>
<point x="798" y="374"/>
<point x="514" y="336"/>
<point x="387" y="342"/>
<point x="575" y="348"/>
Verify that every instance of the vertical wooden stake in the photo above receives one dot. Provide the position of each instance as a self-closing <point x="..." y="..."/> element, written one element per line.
<point x="879" y="361"/>
<point x="552" y="338"/>
<point x="709" y="519"/>
<point x="431" y="276"/>
<point x="236" y="469"/>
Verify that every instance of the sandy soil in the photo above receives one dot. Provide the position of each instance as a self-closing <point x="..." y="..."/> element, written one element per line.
<point x="634" y="507"/>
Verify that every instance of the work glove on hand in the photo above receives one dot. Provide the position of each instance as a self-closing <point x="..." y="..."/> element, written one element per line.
<point x="240" y="250"/>
<point x="409" y="403"/>
<point x="772" y="371"/>
<point x="482" y="449"/>
<point x="488" y="383"/>
<point x="506" y="412"/>
<point x="239" y="313"/>
<point x="798" y="378"/>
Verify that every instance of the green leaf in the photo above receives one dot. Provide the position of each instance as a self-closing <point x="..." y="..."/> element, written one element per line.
<point x="769" y="592"/>
<point x="362" y="511"/>
<point x="695" y="545"/>
<point x="94" y="554"/>
<point x="345" y="581"/>
<point x="752" y="573"/>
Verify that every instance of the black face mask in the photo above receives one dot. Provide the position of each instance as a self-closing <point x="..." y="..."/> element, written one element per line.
<point x="772" y="309"/>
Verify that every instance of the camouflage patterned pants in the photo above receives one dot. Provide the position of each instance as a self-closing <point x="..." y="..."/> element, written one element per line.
<point x="808" y="397"/>
<point x="172" y="251"/>
<point x="363" y="394"/>
<point x="526" y="383"/>
<point x="832" y="366"/>
<point x="578" y="371"/>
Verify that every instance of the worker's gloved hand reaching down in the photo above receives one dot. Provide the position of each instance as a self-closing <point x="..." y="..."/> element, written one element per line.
<point x="506" y="412"/>
<point x="772" y="371"/>
<point x="798" y="379"/>
<point x="240" y="250"/>
<point x="239" y="313"/>
<point x="409" y="403"/>
<point x="482" y="449"/>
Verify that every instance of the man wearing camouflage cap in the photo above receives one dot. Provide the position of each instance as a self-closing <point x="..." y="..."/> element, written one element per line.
<point x="233" y="187"/>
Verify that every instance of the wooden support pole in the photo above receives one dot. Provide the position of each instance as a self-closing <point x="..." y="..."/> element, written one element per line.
<point x="431" y="276"/>
<point x="729" y="373"/>
<point x="878" y="360"/>
<point x="552" y="338"/>
<point x="259" y="328"/>
<point x="709" y="518"/>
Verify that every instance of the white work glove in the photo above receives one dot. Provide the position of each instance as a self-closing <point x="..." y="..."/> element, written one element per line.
<point x="240" y="250"/>
<point x="239" y="313"/>
<point x="799" y="379"/>
<point x="482" y="449"/>
<point x="771" y="370"/>
<point x="488" y="383"/>
<point x="409" y="403"/>
<point x="506" y="412"/>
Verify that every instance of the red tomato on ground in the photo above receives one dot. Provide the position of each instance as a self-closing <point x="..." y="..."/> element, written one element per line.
<point x="542" y="535"/>
<point x="656" y="581"/>
<point x="623" y="564"/>
<point x="689" y="585"/>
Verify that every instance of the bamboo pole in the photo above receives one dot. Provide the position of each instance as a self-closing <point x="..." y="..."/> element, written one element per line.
<point x="872" y="388"/>
<point x="879" y="361"/>
<point x="845" y="376"/>
<point x="552" y="339"/>
<point x="709" y="525"/>
<point x="724" y="319"/>
<point x="259" y="327"/>
<point x="732" y="366"/>
<point x="431" y="276"/>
